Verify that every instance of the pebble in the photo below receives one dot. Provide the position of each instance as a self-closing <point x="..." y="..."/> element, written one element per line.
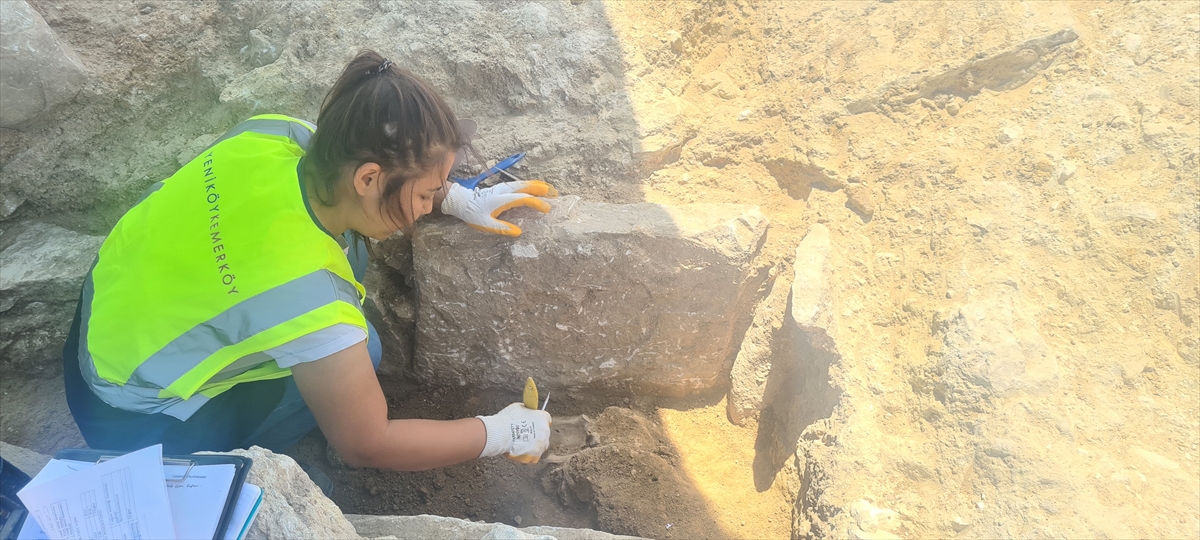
<point x="744" y="115"/>
<point x="959" y="524"/>
<point x="858" y="198"/>
<point x="1009" y="135"/>
<point x="1065" y="171"/>
<point x="1000" y="448"/>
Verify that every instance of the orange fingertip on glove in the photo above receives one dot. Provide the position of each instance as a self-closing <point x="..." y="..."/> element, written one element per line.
<point x="540" y="189"/>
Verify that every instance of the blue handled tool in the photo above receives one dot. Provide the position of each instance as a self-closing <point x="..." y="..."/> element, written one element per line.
<point x="501" y="168"/>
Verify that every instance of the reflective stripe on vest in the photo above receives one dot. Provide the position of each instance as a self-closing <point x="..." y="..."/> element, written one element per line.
<point x="295" y="129"/>
<point x="185" y="371"/>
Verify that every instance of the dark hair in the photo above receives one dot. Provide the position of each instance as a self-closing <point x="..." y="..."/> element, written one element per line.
<point x="377" y="112"/>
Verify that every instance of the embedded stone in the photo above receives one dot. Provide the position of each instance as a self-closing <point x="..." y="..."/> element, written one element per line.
<point x="40" y="279"/>
<point x="40" y="72"/>
<point x="629" y="298"/>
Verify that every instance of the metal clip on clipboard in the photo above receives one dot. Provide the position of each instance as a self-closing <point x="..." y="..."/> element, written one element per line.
<point x="173" y="462"/>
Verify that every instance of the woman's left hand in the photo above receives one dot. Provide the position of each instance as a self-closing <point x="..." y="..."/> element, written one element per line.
<point x="480" y="208"/>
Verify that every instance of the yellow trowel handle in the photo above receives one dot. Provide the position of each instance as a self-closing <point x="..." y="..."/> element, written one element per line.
<point x="530" y="396"/>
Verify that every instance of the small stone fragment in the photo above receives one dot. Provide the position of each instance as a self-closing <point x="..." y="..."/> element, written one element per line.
<point x="954" y="106"/>
<point x="959" y="524"/>
<point x="1120" y="121"/>
<point x="1009" y="135"/>
<point x="858" y="198"/>
<point x="1114" y="211"/>
<point x="859" y="534"/>
<point x="260" y="51"/>
<point x="1154" y="130"/>
<point x="1000" y="448"/>
<point x="1065" y="171"/>
<point x="9" y="204"/>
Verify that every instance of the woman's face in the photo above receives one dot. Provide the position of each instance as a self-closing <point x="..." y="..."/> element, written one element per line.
<point x="423" y="191"/>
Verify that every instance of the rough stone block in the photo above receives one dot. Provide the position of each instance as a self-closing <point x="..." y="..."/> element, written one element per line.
<point x="627" y="298"/>
<point x="448" y="528"/>
<point x="292" y="506"/>
<point x="40" y="276"/>
<point x="39" y="71"/>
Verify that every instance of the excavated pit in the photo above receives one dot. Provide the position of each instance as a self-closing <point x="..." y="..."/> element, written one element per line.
<point x="981" y="323"/>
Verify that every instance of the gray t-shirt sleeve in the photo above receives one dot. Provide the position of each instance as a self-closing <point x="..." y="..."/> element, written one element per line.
<point x="317" y="345"/>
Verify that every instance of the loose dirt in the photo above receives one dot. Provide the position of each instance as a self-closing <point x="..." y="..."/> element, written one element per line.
<point x="696" y="480"/>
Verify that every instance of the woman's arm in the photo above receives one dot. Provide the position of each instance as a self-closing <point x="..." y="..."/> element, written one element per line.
<point x="345" y="397"/>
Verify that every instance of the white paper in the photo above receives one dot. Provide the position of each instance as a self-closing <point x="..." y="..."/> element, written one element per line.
<point x="197" y="501"/>
<point x="244" y="512"/>
<point x="196" y="505"/>
<point x="122" y="498"/>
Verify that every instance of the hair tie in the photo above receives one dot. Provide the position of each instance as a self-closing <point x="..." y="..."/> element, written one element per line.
<point x="383" y="67"/>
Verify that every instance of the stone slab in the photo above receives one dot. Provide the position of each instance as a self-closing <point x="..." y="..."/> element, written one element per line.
<point x="627" y="298"/>
<point x="447" y="528"/>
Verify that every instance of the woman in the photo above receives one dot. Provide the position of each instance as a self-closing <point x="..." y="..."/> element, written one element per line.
<point x="222" y="312"/>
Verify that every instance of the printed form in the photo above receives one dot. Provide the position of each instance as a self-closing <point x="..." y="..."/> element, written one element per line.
<point x="124" y="498"/>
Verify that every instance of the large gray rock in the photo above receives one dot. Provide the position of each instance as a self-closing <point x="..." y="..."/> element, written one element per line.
<point x="292" y="506"/>
<point x="37" y="71"/>
<point x="447" y="528"/>
<point x="637" y="298"/>
<point x="40" y="276"/>
<point x="28" y="461"/>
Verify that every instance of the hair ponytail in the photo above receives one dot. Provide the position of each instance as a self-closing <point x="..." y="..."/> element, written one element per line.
<point x="377" y="112"/>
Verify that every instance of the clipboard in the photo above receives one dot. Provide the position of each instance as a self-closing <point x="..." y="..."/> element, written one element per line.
<point x="240" y="464"/>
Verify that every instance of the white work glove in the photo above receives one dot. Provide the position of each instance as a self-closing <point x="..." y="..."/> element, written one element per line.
<point x="521" y="434"/>
<point x="480" y="208"/>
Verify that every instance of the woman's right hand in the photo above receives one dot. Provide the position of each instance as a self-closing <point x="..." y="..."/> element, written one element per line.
<point x="520" y="433"/>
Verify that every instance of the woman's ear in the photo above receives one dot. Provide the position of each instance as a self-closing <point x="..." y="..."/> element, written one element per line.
<point x="367" y="178"/>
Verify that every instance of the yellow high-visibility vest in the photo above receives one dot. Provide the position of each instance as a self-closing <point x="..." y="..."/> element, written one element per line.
<point x="218" y="263"/>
